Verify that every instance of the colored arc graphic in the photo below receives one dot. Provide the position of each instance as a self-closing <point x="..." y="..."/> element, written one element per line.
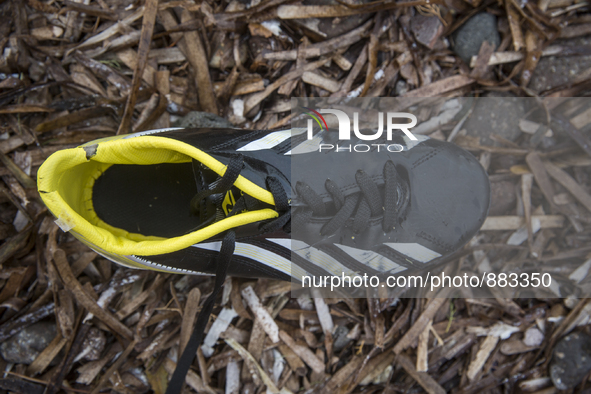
<point x="315" y="118"/>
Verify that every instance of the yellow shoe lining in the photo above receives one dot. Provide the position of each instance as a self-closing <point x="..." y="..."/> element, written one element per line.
<point x="66" y="179"/>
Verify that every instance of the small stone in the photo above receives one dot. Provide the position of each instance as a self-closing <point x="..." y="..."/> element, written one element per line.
<point x="37" y="71"/>
<point x="470" y="36"/>
<point x="202" y="120"/>
<point x="503" y="198"/>
<point x="571" y="361"/>
<point x="571" y="301"/>
<point x="533" y="337"/>
<point x="496" y="113"/>
<point x="555" y="71"/>
<point x="427" y="29"/>
<point x="401" y="87"/>
<point x="340" y="338"/>
<point x="25" y="347"/>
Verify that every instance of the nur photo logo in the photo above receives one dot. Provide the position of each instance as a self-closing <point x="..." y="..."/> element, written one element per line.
<point x="391" y="119"/>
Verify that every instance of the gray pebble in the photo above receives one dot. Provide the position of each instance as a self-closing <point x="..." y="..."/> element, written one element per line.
<point x="503" y="198"/>
<point x="25" y="347"/>
<point x="571" y="361"/>
<point x="340" y="338"/>
<point x="497" y="113"/>
<point x="533" y="337"/>
<point x="555" y="71"/>
<point x="470" y="36"/>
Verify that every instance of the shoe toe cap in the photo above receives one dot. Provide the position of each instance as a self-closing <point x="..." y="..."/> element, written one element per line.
<point x="450" y="195"/>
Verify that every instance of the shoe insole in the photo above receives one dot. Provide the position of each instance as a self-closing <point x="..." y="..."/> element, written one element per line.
<point x="147" y="199"/>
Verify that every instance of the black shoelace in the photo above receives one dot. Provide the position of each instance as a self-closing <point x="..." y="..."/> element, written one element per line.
<point x="368" y="202"/>
<point x="224" y="258"/>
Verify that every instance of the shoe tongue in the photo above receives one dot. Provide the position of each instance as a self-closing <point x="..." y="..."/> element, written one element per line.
<point x="218" y="206"/>
<point x="210" y="208"/>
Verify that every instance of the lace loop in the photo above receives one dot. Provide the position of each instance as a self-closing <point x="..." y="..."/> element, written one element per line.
<point x="368" y="202"/>
<point x="282" y="206"/>
<point x="233" y="169"/>
<point x="310" y="197"/>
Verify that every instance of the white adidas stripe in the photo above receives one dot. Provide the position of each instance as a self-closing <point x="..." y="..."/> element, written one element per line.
<point x="372" y="259"/>
<point x="259" y="254"/>
<point x="267" y="142"/>
<point x="307" y="146"/>
<point x="159" y="267"/>
<point x="321" y="259"/>
<point x="367" y="257"/>
<point x="148" y="132"/>
<point x="272" y="139"/>
<point x="412" y="143"/>
<point x="285" y="242"/>
<point x="415" y="251"/>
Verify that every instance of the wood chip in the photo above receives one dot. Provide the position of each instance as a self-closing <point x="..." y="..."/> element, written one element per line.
<point x="141" y="298"/>
<point x="256" y="98"/>
<point x="526" y="184"/>
<point x="377" y="370"/>
<point x="582" y="120"/>
<point x="348" y="83"/>
<point x="423" y="349"/>
<point x="303" y="352"/>
<point x="423" y="321"/>
<point x="247" y="357"/>
<point x="129" y="57"/>
<point x="442" y="86"/>
<point x="268" y="324"/>
<point x="151" y="7"/>
<point x="542" y="179"/>
<point x="293" y="360"/>
<point x="422" y="378"/>
<point x="18" y="173"/>
<point x="324" y="47"/>
<point x="323" y="314"/>
<point x="114" y="367"/>
<point x="570" y="184"/>
<point x="233" y="378"/>
<point x="219" y="325"/>
<point x="89" y="371"/>
<point x="481" y="65"/>
<point x="342" y="62"/>
<point x="84" y="299"/>
<point x="192" y="47"/>
<point x="114" y="29"/>
<point x="189" y="317"/>
<point x="320" y="81"/>
<point x="486" y="348"/>
<point x="515" y="26"/>
<point x="344" y="375"/>
<point x="313" y="11"/>
<point x="516" y="222"/>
